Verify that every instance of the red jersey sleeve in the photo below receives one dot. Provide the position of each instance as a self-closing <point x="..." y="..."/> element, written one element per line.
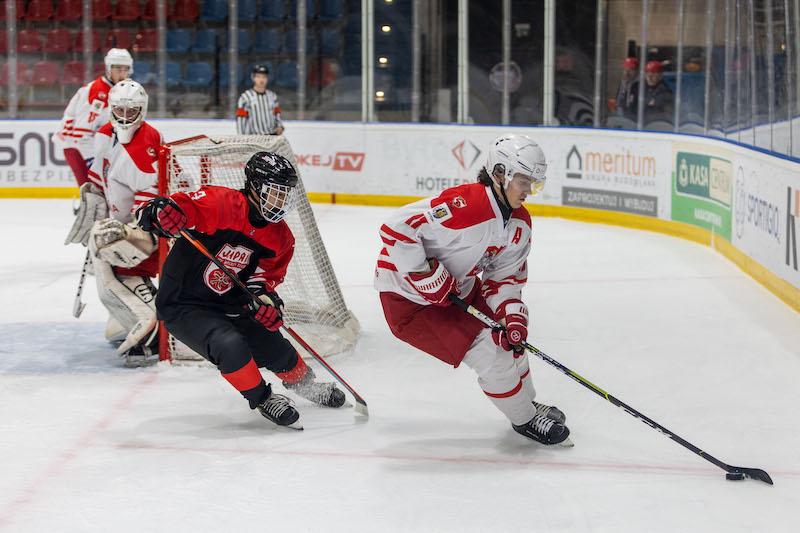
<point x="211" y="208"/>
<point x="271" y="271"/>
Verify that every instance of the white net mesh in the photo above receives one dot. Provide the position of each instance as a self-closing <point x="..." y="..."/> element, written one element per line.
<point x="314" y="306"/>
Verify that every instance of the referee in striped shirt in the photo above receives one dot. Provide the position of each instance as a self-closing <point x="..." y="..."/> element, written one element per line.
<point x="258" y="112"/>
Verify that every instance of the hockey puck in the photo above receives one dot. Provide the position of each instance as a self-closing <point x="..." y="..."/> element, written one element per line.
<point x="734" y="476"/>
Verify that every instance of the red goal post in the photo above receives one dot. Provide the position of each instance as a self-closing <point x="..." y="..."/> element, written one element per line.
<point x="314" y="305"/>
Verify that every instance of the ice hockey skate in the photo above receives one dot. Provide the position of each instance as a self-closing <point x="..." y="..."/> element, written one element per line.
<point x="279" y="410"/>
<point x="325" y="394"/>
<point x="548" y="411"/>
<point x="138" y="356"/>
<point x="545" y="430"/>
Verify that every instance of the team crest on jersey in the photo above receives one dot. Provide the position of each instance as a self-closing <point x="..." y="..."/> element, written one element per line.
<point x="484" y="261"/>
<point x="235" y="259"/>
<point x="459" y="202"/>
<point x="440" y="213"/>
<point x="151" y="151"/>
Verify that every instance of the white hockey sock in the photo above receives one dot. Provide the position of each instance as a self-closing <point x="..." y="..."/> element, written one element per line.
<point x="499" y="378"/>
<point x="524" y="370"/>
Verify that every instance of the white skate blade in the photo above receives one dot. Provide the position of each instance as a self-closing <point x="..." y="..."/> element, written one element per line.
<point x="566" y="443"/>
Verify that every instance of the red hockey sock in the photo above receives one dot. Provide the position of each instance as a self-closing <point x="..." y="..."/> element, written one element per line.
<point x="246" y="378"/>
<point x="296" y="374"/>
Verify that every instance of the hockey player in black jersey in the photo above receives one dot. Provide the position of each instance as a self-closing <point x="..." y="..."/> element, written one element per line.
<point x="205" y="310"/>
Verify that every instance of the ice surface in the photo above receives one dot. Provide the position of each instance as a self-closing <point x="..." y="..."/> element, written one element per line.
<point x="668" y="326"/>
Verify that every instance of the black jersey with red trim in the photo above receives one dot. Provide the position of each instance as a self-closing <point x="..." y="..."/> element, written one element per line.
<point x="229" y="225"/>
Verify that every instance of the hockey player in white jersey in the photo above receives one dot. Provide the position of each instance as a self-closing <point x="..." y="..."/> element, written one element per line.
<point x="123" y="176"/>
<point x="87" y="112"/>
<point x="472" y="241"/>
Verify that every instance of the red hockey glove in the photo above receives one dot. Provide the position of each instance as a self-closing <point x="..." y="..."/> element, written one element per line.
<point x="268" y="311"/>
<point x="514" y="315"/>
<point x="161" y="216"/>
<point x="435" y="285"/>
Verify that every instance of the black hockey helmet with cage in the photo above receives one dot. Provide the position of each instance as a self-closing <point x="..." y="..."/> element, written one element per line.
<point x="273" y="180"/>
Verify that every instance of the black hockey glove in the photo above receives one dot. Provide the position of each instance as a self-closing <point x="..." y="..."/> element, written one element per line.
<point x="269" y="310"/>
<point x="161" y="216"/>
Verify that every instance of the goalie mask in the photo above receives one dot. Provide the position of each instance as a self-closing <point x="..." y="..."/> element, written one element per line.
<point x="517" y="154"/>
<point x="273" y="180"/>
<point x="128" y="102"/>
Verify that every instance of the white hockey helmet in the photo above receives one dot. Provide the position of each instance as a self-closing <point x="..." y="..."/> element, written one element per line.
<point x="118" y="56"/>
<point x="517" y="154"/>
<point x="127" y="101"/>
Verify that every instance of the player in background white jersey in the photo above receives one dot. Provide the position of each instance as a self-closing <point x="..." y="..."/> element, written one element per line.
<point x="473" y="241"/>
<point x="87" y="112"/>
<point x="258" y="111"/>
<point x="123" y="176"/>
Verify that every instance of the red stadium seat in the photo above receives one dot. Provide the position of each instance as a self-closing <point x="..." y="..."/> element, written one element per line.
<point x="69" y="10"/>
<point x="23" y="74"/>
<point x="29" y="42"/>
<point x="101" y="9"/>
<point x="146" y="41"/>
<point x="3" y="42"/>
<point x="45" y="73"/>
<point x="39" y="11"/>
<point x="185" y="11"/>
<point x="73" y="73"/>
<point x="20" y="9"/>
<point x="149" y="11"/>
<point x="57" y="42"/>
<point x="117" y="39"/>
<point x="79" y="41"/>
<point x="324" y="75"/>
<point x="126" y="10"/>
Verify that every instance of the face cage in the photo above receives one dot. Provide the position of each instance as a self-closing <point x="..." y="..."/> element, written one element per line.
<point x="276" y="201"/>
<point x="129" y="115"/>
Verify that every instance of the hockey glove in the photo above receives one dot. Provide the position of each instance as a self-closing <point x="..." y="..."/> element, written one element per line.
<point x="513" y="314"/>
<point x="93" y="207"/>
<point x="161" y="216"/>
<point x="269" y="311"/>
<point x="435" y="285"/>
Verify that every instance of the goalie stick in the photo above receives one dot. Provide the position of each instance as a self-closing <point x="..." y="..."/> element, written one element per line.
<point x="734" y="473"/>
<point x="361" y="405"/>
<point x="78" y="305"/>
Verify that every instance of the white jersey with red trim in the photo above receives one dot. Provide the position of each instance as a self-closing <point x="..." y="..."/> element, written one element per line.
<point x="85" y="114"/>
<point x="464" y="229"/>
<point x="127" y="173"/>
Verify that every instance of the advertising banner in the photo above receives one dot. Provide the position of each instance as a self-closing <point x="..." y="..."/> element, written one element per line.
<point x="702" y="187"/>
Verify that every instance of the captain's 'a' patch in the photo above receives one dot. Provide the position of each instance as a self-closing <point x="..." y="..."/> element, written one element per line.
<point x="439" y="213"/>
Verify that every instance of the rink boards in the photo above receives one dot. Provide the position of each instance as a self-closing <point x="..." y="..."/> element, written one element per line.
<point x="743" y="202"/>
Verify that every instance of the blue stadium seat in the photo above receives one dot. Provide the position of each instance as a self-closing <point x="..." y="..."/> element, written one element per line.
<point x="224" y="78"/>
<point x="214" y="11"/>
<point x="271" y="11"/>
<point x="330" y="10"/>
<point x="205" y="42"/>
<point x="330" y="41"/>
<point x="267" y="42"/>
<point x="142" y="72"/>
<point x="243" y="41"/>
<point x="173" y="74"/>
<point x="290" y="42"/>
<point x="268" y="64"/>
<point x="287" y="75"/>
<point x="247" y="10"/>
<point x="198" y="74"/>
<point x="178" y="41"/>
<point x="310" y="10"/>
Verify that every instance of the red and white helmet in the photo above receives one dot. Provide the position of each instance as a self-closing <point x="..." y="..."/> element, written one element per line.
<point x="127" y="101"/>
<point x="512" y="154"/>
<point x="118" y="56"/>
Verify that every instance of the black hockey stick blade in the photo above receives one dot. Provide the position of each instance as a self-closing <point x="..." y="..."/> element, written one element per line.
<point x="78" y="305"/>
<point x="752" y="473"/>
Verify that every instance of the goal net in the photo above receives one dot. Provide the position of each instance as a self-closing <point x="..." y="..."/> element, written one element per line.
<point x="314" y="306"/>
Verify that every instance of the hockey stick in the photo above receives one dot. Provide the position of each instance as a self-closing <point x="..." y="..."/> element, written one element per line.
<point x="78" y="305"/>
<point x="735" y="473"/>
<point x="361" y="405"/>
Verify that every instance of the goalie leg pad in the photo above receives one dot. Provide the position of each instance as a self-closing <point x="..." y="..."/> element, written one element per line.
<point x="131" y="301"/>
<point x="92" y="207"/>
<point x="120" y="244"/>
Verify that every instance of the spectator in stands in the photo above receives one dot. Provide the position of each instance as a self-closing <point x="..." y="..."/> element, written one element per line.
<point x="627" y="87"/>
<point x="657" y="94"/>
<point x="87" y="112"/>
<point x="258" y="112"/>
